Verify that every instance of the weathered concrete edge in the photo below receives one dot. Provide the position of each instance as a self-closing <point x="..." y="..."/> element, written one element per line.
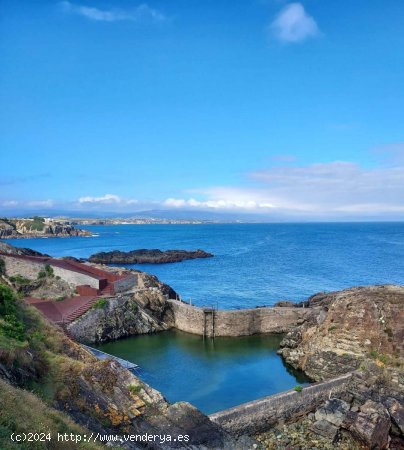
<point x="259" y="415"/>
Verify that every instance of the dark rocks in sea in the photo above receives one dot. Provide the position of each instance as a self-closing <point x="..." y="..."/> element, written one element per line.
<point x="145" y="256"/>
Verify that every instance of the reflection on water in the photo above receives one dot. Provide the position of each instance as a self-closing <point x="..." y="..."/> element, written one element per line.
<point x="211" y="374"/>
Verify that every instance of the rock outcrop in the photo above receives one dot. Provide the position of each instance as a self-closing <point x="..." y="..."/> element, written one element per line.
<point x="37" y="227"/>
<point x="144" y="256"/>
<point x="351" y="326"/>
<point x="121" y="316"/>
<point x="11" y="250"/>
<point x="364" y="416"/>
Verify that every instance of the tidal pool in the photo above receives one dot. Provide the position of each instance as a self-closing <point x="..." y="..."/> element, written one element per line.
<point x="211" y="374"/>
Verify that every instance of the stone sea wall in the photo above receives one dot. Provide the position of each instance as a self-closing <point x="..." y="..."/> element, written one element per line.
<point x="243" y="322"/>
<point x="259" y="415"/>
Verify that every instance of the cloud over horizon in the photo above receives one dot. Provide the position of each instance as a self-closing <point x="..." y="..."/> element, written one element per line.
<point x="294" y="25"/>
<point x="332" y="189"/>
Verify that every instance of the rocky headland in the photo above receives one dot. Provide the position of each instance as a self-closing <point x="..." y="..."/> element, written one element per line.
<point x="37" y="227"/>
<point x="144" y="256"/>
<point x="351" y="325"/>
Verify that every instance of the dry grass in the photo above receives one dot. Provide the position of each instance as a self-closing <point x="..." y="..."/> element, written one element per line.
<point x="23" y="412"/>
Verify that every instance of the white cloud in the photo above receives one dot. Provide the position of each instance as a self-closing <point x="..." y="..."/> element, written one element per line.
<point x="293" y="24"/>
<point x="8" y="203"/>
<point x="233" y="203"/>
<point x="41" y="203"/>
<point x="107" y="199"/>
<point x="142" y="13"/>
<point x="336" y="186"/>
<point x="332" y="189"/>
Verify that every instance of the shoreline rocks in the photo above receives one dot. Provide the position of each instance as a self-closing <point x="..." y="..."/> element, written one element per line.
<point x="145" y="256"/>
<point x="351" y="326"/>
<point x="37" y="227"/>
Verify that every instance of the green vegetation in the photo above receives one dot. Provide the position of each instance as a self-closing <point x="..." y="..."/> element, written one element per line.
<point x="61" y="298"/>
<point x="38" y="357"/>
<point x="47" y="271"/>
<point x="10" y="323"/>
<point x="379" y="356"/>
<point x="100" y="304"/>
<point x="36" y="224"/>
<point x="19" y="279"/>
<point x="2" y="267"/>
<point x="134" y="389"/>
<point x="332" y="328"/>
<point x="298" y="388"/>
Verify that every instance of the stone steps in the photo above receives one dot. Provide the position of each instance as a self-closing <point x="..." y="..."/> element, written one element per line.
<point x="80" y="311"/>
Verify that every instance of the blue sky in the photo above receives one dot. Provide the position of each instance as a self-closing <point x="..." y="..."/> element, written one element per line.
<point x="291" y="109"/>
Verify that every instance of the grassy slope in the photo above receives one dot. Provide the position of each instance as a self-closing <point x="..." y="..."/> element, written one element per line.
<point x="37" y="356"/>
<point x="23" y="412"/>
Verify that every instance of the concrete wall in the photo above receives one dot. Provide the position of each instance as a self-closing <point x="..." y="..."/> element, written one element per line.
<point x="29" y="269"/>
<point x="126" y="283"/>
<point x="259" y="415"/>
<point x="243" y="322"/>
<point x="75" y="278"/>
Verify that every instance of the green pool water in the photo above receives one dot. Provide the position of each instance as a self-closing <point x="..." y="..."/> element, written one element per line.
<point x="210" y="374"/>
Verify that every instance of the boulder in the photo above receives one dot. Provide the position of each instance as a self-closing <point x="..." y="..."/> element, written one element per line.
<point x="325" y="428"/>
<point x="397" y="414"/>
<point x="372" y="425"/>
<point x="333" y="411"/>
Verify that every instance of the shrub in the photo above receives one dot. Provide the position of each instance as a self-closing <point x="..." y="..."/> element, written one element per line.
<point x="99" y="304"/>
<point x="379" y="357"/>
<point x="49" y="270"/>
<point x="298" y="388"/>
<point x="134" y="389"/>
<point x="2" y="267"/>
<point x="41" y="274"/>
<point x="10" y="325"/>
<point x="19" y="279"/>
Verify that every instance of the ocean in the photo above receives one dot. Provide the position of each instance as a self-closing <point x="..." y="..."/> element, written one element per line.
<point x="253" y="264"/>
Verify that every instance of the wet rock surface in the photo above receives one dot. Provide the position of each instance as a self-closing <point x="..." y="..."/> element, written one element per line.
<point x="145" y="256"/>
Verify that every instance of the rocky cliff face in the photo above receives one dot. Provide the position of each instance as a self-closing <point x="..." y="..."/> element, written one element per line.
<point x="121" y="316"/>
<point x="7" y="230"/>
<point x="352" y="325"/>
<point x="7" y="248"/>
<point x="11" y="229"/>
<point x="143" y="311"/>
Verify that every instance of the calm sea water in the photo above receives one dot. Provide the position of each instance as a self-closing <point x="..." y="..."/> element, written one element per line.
<point x="254" y="264"/>
<point x="210" y="374"/>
